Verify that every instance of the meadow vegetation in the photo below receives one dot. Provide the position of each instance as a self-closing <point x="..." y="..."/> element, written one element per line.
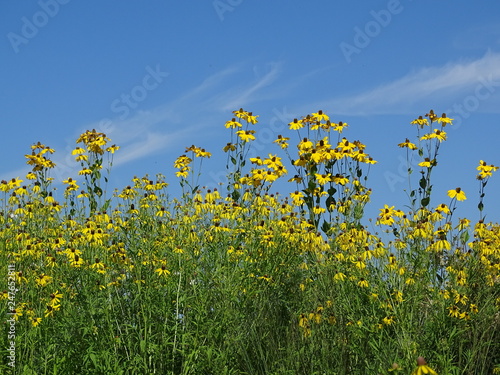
<point x="241" y="279"/>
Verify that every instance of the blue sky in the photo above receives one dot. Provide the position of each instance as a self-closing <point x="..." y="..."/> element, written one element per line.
<point x="157" y="76"/>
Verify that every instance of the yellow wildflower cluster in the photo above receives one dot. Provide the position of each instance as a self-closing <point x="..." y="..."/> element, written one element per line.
<point x="38" y="159"/>
<point x="94" y="142"/>
<point x="243" y="264"/>
<point x="485" y="170"/>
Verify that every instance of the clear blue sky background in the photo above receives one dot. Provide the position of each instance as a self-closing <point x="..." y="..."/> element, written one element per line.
<point x="67" y="65"/>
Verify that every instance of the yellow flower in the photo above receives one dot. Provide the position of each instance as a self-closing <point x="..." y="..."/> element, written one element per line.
<point x="408" y="144"/>
<point x="388" y="320"/>
<point x="427" y="163"/>
<point x="51" y="309"/>
<point x="454" y="312"/>
<point x="339" y="276"/>
<point x="422" y="368"/>
<point x="84" y="171"/>
<point x="78" y="151"/>
<point x="282" y="141"/>
<point x="398" y="296"/>
<point x="55" y="298"/>
<point x="473" y="308"/>
<point x="443" y="120"/>
<point x="461" y="298"/>
<point x="257" y="160"/>
<point x="318" y="210"/>
<point x="98" y="266"/>
<point x="252" y="119"/>
<point x="420" y="121"/>
<point x="323" y="178"/>
<point x="457" y="193"/>
<point x="35" y="321"/>
<point x="77" y="261"/>
<point x="432" y="116"/>
<point x="339" y="179"/>
<point x="439" y="134"/>
<point x="43" y="279"/>
<point x="233" y="124"/>
<point x="340" y="126"/>
<point x="303" y="321"/>
<point x="182" y="161"/>
<point x="240" y="113"/>
<point x="183" y="172"/>
<point x="198" y="152"/>
<point x="273" y="162"/>
<point x="229" y="147"/>
<point x="485" y="170"/>
<point x="296" y="124"/>
<point x="410" y="281"/>
<point x="113" y="148"/>
<point x="443" y="208"/>
<point x="363" y="283"/>
<point x="320" y="116"/>
<point x="359" y="263"/>
<point x="17" y="312"/>
<point x="162" y="271"/>
<point x="246" y="135"/>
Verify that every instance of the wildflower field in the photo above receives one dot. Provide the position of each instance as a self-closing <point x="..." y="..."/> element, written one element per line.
<point x="241" y="279"/>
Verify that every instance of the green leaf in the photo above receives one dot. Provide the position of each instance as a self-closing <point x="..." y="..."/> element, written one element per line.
<point x="330" y="201"/>
<point x="480" y="206"/>
<point x="309" y="201"/>
<point x="358" y="212"/>
<point x="106" y="205"/>
<point x="325" y="227"/>
<point x="94" y="359"/>
<point x="423" y="183"/>
<point x="464" y="237"/>
<point x="97" y="190"/>
<point x="235" y="195"/>
<point x="425" y="201"/>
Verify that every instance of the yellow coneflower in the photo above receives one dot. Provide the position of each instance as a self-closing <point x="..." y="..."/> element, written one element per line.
<point x="422" y="368"/>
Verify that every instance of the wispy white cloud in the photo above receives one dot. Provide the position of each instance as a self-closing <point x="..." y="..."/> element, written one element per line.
<point x="238" y="97"/>
<point x="152" y="142"/>
<point x="156" y="129"/>
<point x="444" y="84"/>
<point x="146" y="132"/>
<point x="208" y="85"/>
